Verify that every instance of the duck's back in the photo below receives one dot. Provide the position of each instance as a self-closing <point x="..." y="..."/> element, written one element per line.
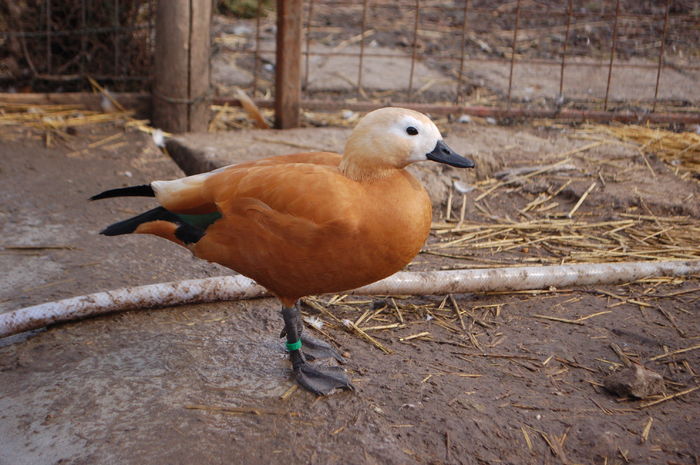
<point x="298" y="226"/>
<point x="197" y="193"/>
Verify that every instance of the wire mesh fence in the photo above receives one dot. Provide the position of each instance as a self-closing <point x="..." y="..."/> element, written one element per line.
<point x="589" y="59"/>
<point x="517" y="57"/>
<point x="52" y="45"/>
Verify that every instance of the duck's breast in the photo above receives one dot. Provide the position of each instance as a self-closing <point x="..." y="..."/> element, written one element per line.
<point x="301" y="230"/>
<point x="397" y="221"/>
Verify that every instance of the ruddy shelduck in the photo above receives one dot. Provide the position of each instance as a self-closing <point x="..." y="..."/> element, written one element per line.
<point x="307" y="223"/>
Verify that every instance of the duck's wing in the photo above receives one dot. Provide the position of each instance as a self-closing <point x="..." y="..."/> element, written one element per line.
<point x="197" y="194"/>
<point x="282" y="227"/>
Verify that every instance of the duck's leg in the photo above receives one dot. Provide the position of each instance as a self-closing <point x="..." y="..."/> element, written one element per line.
<point x="319" y="380"/>
<point x="312" y="348"/>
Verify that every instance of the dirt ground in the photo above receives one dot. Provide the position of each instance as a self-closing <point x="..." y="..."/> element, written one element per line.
<point x="211" y="384"/>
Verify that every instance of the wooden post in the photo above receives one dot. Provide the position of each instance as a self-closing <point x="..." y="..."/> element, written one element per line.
<point x="288" y="64"/>
<point x="181" y="86"/>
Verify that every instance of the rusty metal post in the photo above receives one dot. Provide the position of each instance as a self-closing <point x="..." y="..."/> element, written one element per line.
<point x="661" y="54"/>
<point x="181" y="87"/>
<point x="512" y="53"/>
<point x="256" y="53"/>
<point x="288" y="63"/>
<point x="362" y="47"/>
<point x="462" y="51"/>
<point x="47" y="5"/>
<point x="115" y="38"/>
<point x="83" y="39"/>
<point x="307" y="49"/>
<point x="613" y="46"/>
<point x="414" y="55"/>
<point x="569" y="12"/>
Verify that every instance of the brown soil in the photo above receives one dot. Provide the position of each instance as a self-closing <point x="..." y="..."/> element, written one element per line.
<point x="203" y="383"/>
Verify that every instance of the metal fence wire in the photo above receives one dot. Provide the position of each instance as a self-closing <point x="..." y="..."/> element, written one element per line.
<point x="52" y="45"/>
<point x="587" y="60"/>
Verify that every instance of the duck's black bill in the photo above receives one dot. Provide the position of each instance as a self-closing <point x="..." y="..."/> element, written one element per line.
<point x="443" y="154"/>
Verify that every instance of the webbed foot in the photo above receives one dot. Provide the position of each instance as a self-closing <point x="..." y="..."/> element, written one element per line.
<point x="316" y="349"/>
<point x="322" y="380"/>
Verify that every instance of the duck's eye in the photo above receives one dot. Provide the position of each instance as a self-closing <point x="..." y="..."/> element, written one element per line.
<point x="411" y="131"/>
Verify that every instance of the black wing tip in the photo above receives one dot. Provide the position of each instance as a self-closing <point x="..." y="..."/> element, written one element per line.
<point x="144" y="190"/>
<point x="187" y="233"/>
<point x="129" y="225"/>
<point x="117" y="229"/>
<point x="110" y="231"/>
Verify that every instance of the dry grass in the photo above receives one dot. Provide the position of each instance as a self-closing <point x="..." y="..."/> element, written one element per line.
<point x="634" y="237"/>
<point x="58" y="123"/>
<point x="679" y="149"/>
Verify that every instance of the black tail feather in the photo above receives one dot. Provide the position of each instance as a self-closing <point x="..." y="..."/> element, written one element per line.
<point x="144" y="190"/>
<point x="186" y="232"/>
<point x="130" y="225"/>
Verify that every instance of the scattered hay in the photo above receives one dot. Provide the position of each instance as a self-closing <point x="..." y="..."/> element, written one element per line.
<point x="636" y="237"/>
<point x="669" y="397"/>
<point x="679" y="149"/>
<point x="60" y="122"/>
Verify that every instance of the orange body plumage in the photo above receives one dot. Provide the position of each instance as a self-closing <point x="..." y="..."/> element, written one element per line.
<point x="298" y="226"/>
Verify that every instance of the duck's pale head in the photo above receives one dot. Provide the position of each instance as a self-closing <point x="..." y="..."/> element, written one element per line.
<point x="392" y="138"/>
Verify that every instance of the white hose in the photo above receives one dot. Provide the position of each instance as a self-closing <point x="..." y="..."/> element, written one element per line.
<point x="130" y="298"/>
<point x="523" y="278"/>
<point x="404" y="283"/>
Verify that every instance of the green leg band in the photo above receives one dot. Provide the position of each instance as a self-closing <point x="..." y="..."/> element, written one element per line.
<point x="294" y="345"/>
